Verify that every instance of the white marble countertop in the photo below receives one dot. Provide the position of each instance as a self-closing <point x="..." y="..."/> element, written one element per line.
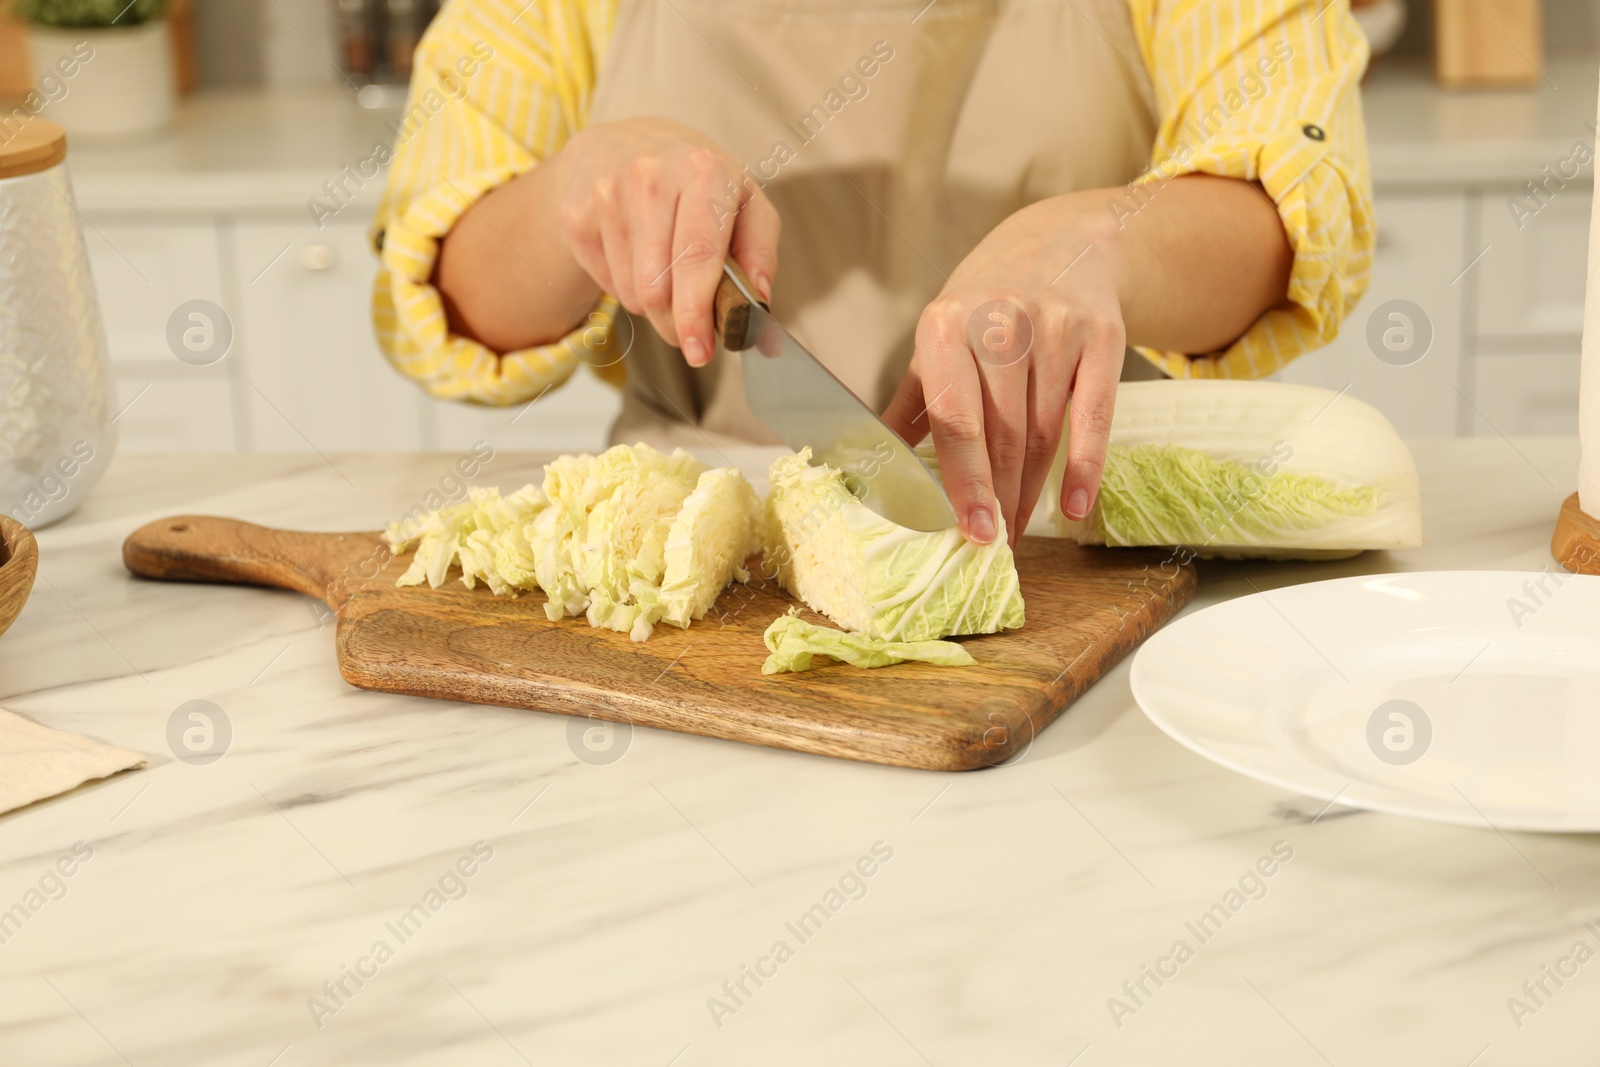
<point x="252" y="151"/>
<point x="619" y="898"/>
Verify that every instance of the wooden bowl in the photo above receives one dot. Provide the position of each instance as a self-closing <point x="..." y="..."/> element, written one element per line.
<point x="19" y="562"/>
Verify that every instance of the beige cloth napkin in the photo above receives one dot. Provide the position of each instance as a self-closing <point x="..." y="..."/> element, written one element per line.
<point x="37" y="762"/>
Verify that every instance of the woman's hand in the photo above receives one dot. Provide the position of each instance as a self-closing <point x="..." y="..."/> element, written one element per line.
<point x="1034" y="321"/>
<point x="651" y="208"/>
<point x="1029" y="322"/>
<point x="646" y="209"/>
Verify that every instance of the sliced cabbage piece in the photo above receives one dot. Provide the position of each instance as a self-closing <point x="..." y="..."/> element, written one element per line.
<point x="793" y="642"/>
<point x="868" y="575"/>
<point x="473" y="534"/>
<point x="717" y="529"/>
<point x="1248" y="469"/>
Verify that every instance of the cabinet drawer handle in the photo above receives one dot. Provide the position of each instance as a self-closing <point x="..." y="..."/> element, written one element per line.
<point x="318" y="257"/>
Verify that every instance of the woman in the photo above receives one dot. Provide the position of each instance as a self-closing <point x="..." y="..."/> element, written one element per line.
<point x="982" y="202"/>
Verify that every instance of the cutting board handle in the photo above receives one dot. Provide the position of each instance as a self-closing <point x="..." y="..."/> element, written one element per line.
<point x="203" y="548"/>
<point x="735" y="295"/>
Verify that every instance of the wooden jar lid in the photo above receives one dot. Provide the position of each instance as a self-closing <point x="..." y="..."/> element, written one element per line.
<point x="1576" y="542"/>
<point x="37" y="146"/>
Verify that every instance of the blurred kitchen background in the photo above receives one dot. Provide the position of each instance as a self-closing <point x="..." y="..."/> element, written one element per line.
<point x="1471" y="325"/>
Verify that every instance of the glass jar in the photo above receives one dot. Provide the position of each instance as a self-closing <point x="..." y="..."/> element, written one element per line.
<point x="56" y="401"/>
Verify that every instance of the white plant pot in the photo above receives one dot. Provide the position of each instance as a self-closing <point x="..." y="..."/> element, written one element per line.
<point x="120" y="83"/>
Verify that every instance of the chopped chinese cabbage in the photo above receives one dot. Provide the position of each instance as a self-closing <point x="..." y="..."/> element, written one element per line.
<point x="632" y="537"/>
<point x="793" y="642"/>
<point x="482" y="534"/>
<point x="873" y="577"/>
<point x="1246" y="469"/>
<point x="625" y="538"/>
<point x="606" y="528"/>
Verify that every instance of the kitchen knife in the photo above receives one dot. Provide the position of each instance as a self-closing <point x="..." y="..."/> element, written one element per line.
<point x="805" y="405"/>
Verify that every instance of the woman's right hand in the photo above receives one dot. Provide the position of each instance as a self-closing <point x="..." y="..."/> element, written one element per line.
<point x="650" y="209"/>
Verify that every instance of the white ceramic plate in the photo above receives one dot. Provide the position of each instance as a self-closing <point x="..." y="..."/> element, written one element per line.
<point x="1469" y="697"/>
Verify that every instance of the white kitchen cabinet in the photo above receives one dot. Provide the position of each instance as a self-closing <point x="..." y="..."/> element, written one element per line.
<point x="1532" y="280"/>
<point x="1528" y="313"/>
<point x="143" y="272"/>
<point x="1525" y="393"/>
<point x="175" y="415"/>
<point x="1399" y="349"/>
<point x="316" y="380"/>
<point x="304" y="372"/>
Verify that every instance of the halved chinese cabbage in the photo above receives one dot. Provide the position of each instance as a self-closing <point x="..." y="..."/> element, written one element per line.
<point x="878" y="579"/>
<point x="1248" y="469"/>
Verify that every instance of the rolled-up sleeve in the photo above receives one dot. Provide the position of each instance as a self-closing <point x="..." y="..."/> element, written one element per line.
<point x="1269" y="92"/>
<point x="495" y="88"/>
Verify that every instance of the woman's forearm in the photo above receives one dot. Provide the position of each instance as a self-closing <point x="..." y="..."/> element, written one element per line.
<point x="505" y="272"/>
<point x="1197" y="263"/>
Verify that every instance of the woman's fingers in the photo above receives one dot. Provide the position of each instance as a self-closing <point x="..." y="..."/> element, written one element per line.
<point x="652" y="210"/>
<point x="1005" y="423"/>
<point x="755" y="242"/>
<point x="955" y="413"/>
<point x="1094" y="395"/>
<point x="700" y="239"/>
<point x="1048" y="381"/>
<point x="1000" y="334"/>
<point x="652" y="206"/>
<point x="998" y="423"/>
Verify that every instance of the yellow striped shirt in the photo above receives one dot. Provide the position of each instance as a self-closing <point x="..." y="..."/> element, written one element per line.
<point x="1263" y="90"/>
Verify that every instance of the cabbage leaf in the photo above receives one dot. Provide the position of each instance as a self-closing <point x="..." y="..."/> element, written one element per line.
<point x="1171" y="495"/>
<point x="794" y="642"/>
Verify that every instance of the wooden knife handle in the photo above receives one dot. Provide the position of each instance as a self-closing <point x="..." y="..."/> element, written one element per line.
<point x="203" y="548"/>
<point x="732" y="318"/>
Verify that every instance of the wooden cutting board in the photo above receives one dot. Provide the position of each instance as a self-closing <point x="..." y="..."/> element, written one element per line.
<point x="1087" y="608"/>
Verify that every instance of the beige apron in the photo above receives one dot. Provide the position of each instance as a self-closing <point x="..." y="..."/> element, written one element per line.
<point x="884" y="181"/>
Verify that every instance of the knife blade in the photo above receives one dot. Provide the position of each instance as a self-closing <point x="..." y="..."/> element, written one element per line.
<point x="801" y="401"/>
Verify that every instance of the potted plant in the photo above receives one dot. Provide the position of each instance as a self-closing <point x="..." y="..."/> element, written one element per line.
<point x="103" y="67"/>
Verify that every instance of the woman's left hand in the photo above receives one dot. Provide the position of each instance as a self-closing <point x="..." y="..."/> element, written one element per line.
<point x="1029" y="323"/>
